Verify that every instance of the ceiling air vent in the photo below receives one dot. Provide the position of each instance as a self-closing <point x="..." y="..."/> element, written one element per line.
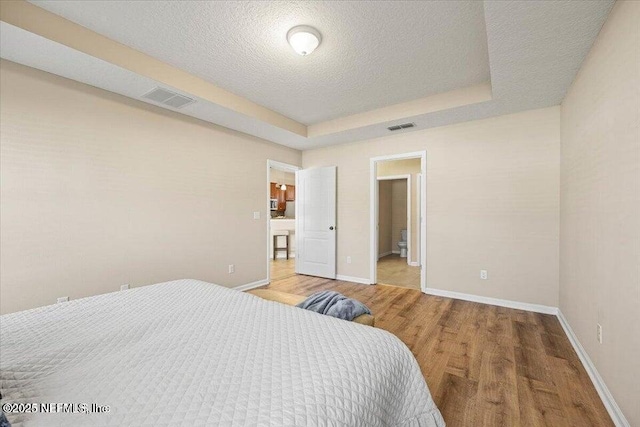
<point x="166" y="97"/>
<point x="402" y="126"/>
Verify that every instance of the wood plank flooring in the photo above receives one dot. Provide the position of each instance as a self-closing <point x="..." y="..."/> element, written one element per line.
<point x="282" y="268"/>
<point x="485" y="365"/>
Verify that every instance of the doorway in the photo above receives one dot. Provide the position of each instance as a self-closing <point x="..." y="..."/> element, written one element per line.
<point x="395" y="218"/>
<point x="398" y="212"/>
<point x="281" y="220"/>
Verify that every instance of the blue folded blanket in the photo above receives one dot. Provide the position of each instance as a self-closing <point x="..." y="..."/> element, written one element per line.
<point x="334" y="304"/>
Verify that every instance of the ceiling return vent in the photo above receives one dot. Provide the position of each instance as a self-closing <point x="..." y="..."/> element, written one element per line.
<point x="166" y="97"/>
<point x="402" y="126"/>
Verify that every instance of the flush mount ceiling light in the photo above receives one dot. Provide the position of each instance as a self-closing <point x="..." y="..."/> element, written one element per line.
<point x="304" y="39"/>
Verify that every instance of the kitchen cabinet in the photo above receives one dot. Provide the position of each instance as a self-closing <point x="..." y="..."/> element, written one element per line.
<point x="274" y="190"/>
<point x="277" y="193"/>
<point x="290" y="193"/>
<point x="282" y="203"/>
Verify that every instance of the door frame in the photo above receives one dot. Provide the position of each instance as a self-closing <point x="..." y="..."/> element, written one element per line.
<point x="373" y="212"/>
<point x="418" y="214"/>
<point x="285" y="167"/>
<point x="409" y="216"/>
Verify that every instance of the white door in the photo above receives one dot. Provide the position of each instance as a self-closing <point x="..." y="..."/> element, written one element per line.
<point x="316" y="222"/>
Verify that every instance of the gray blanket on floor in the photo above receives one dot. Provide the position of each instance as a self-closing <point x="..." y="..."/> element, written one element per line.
<point x="334" y="304"/>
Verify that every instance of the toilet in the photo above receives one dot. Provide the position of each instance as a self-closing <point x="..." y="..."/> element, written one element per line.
<point x="402" y="244"/>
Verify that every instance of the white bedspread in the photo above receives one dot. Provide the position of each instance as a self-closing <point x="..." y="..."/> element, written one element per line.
<point x="190" y="353"/>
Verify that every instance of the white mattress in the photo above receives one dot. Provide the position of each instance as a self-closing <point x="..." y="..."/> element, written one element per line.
<point x="188" y="353"/>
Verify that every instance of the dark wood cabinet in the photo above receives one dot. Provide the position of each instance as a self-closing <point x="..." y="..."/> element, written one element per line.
<point x="290" y="195"/>
<point x="282" y="203"/>
<point x="274" y="190"/>
<point x="277" y="193"/>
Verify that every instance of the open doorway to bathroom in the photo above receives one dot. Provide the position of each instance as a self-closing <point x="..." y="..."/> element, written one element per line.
<point x="281" y="220"/>
<point x="395" y="265"/>
<point x="398" y="255"/>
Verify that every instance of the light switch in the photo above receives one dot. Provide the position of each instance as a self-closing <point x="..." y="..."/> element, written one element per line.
<point x="256" y="215"/>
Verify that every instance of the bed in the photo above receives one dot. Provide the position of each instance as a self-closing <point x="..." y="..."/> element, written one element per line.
<point x="188" y="353"/>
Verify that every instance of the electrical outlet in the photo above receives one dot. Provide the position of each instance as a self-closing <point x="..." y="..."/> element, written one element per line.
<point x="62" y="299"/>
<point x="232" y="268"/>
<point x="124" y="287"/>
<point x="599" y="333"/>
<point x="348" y="260"/>
<point x="484" y="275"/>
<point x="256" y="215"/>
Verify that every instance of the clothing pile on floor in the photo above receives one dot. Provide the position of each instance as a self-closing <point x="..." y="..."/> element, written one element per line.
<point x="334" y="304"/>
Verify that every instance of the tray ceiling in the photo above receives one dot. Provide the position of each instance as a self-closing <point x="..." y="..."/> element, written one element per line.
<point x="373" y="54"/>
<point x="380" y="63"/>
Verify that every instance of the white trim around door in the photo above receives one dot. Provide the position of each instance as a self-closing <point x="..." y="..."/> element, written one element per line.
<point x="373" y="212"/>
<point x="285" y="167"/>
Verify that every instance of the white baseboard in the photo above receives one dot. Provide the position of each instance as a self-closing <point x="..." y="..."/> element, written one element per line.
<point x="605" y="395"/>
<point x="395" y="252"/>
<point x="385" y="254"/>
<point x="251" y="285"/>
<point x="353" y="279"/>
<point x="537" y="308"/>
<point x="414" y="264"/>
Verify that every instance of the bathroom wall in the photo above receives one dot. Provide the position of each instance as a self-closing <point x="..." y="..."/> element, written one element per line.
<point x="384" y="218"/>
<point x="410" y="167"/>
<point x="398" y="211"/>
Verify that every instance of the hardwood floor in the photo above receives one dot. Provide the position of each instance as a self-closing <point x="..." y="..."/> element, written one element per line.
<point x="485" y="365"/>
<point x="282" y="268"/>
<point x="393" y="270"/>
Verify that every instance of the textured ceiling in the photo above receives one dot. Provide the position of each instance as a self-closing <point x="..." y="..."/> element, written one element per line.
<point x="373" y="54"/>
<point x="34" y="51"/>
<point x="534" y="50"/>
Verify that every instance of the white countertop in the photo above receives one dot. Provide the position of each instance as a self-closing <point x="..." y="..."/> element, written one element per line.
<point x="283" y="224"/>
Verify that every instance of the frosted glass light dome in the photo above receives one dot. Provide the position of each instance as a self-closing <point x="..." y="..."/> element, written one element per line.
<point x="304" y="39"/>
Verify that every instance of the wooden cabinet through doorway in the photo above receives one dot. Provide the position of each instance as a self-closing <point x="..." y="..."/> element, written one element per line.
<point x="274" y="190"/>
<point x="290" y="195"/>
<point x="277" y="193"/>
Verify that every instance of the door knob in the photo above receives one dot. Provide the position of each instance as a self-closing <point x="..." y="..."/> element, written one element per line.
<point x="331" y="228"/>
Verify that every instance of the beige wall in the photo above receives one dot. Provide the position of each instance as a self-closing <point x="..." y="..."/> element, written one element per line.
<point x="398" y="210"/>
<point x="410" y="167"/>
<point x="99" y="190"/>
<point x="282" y="177"/>
<point x="385" y="215"/>
<point x="600" y="208"/>
<point x="492" y="203"/>
<point x="39" y="21"/>
<point x="290" y="178"/>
